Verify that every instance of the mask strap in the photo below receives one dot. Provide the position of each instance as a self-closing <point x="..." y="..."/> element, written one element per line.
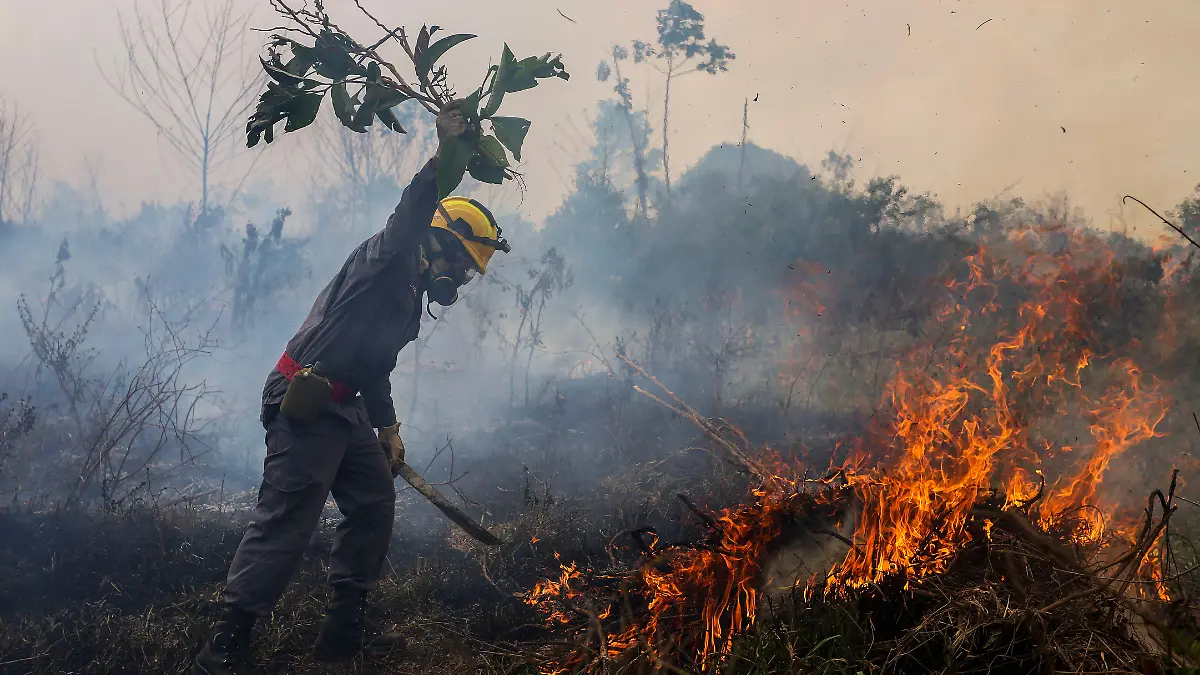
<point x="445" y="214"/>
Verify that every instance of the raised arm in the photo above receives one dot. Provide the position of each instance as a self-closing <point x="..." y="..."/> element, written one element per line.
<point x="408" y="222"/>
<point x="414" y="214"/>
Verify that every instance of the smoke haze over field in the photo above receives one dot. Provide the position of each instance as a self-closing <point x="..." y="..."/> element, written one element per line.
<point x="915" y="88"/>
<point x="955" y="98"/>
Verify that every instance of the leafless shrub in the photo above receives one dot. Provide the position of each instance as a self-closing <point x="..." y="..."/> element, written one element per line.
<point x="267" y="264"/>
<point x="17" y="418"/>
<point x="116" y="427"/>
<point x="18" y="165"/>
<point x="553" y="276"/>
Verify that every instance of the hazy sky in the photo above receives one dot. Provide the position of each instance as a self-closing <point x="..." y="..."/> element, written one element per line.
<point x="911" y="86"/>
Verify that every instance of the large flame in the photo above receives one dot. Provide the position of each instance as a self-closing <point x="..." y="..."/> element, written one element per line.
<point x="1013" y="377"/>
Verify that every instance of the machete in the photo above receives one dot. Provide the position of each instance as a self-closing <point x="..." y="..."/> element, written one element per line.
<point x="452" y="512"/>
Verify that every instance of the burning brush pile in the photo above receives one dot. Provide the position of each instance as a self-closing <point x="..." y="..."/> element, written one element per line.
<point x="972" y="529"/>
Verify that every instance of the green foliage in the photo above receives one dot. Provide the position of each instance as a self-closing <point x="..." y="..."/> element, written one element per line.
<point x="681" y="35"/>
<point x="426" y="58"/>
<point x="456" y="156"/>
<point x="511" y="132"/>
<point x="681" y="39"/>
<point x="489" y="163"/>
<point x="364" y="88"/>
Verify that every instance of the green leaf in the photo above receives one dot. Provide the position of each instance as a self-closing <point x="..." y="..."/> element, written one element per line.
<point x="486" y="171"/>
<point x="492" y="148"/>
<point x="333" y="61"/>
<point x="511" y="132"/>
<point x="364" y="115"/>
<point x="427" y="58"/>
<point x="469" y="106"/>
<point x="280" y="75"/>
<point x="378" y="98"/>
<point x="490" y="164"/>
<point x="343" y="107"/>
<point x="523" y="77"/>
<point x="384" y="97"/>
<point x="302" y="110"/>
<point x="453" y="158"/>
<point x="422" y="44"/>
<point x="302" y="60"/>
<point x="389" y="120"/>
<point x="508" y="63"/>
<point x="373" y="71"/>
<point x="551" y="67"/>
<point x="334" y="69"/>
<point x="271" y="108"/>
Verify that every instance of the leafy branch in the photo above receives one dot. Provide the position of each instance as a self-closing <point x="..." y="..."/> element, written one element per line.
<point x="324" y="61"/>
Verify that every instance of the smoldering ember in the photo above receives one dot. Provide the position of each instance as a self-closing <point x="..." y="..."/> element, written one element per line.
<point x="738" y="414"/>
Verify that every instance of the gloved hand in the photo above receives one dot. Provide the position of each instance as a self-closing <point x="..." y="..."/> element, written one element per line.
<point x="450" y="123"/>
<point x="393" y="445"/>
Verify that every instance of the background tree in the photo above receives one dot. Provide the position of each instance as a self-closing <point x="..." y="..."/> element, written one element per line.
<point x="682" y="46"/>
<point x="617" y="156"/>
<point x="186" y="72"/>
<point x="634" y="122"/>
<point x="18" y="165"/>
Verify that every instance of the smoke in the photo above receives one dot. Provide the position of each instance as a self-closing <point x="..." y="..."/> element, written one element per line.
<point x="701" y="291"/>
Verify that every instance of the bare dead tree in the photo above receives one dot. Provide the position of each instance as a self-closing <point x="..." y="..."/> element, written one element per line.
<point x="18" y="164"/>
<point x="187" y="72"/>
<point x="554" y="275"/>
<point x="742" y="144"/>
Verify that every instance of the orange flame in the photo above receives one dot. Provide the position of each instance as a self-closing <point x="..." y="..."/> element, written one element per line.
<point x="966" y="415"/>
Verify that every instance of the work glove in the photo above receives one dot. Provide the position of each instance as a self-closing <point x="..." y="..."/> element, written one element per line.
<point x="450" y="123"/>
<point x="389" y="437"/>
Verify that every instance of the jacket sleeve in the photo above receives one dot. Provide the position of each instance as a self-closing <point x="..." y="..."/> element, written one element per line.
<point x="377" y="396"/>
<point x="410" y="220"/>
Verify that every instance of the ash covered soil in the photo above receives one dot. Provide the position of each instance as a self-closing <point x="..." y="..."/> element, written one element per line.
<point x="136" y="589"/>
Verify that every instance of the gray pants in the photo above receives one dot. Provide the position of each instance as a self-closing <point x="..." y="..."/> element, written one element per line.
<point x="338" y="453"/>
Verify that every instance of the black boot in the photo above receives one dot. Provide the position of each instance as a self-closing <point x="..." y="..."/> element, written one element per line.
<point x="347" y="631"/>
<point x="228" y="652"/>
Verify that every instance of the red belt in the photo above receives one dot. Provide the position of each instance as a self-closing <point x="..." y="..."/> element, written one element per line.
<point x="288" y="367"/>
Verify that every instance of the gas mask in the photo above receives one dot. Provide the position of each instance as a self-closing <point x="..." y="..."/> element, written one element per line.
<point x="443" y="290"/>
<point x="448" y="269"/>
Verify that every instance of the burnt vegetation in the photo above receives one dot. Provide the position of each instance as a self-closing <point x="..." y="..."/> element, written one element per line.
<point x="670" y="380"/>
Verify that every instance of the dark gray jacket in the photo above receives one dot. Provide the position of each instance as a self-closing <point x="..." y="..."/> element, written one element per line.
<point x="371" y="309"/>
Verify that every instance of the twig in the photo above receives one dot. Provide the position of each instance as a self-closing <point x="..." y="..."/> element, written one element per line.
<point x="701" y="514"/>
<point x="189" y="498"/>
<point x="1173" y="226"/>
<point x="687" y="411"/>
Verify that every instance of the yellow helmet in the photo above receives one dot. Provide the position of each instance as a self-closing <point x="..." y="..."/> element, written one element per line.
<point x="474" y="226"/>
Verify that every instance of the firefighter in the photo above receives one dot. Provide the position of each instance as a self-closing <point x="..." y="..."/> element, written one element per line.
<point x="330" y="423"/>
